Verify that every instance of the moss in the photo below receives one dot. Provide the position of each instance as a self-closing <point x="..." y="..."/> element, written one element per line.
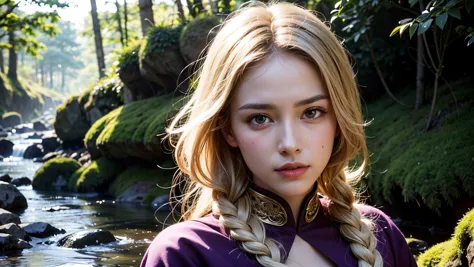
<point x="433" y="167"/>
<point x="137" y="122"/>
<point x="136" y="174"/>
<point x="11" y="114"/>
<point x="47" y="174"/>
<point x="84" y="97"/>
<point x="105" y="95"/>
<point x="200" y="26"/>
<point x="450" y="250"/>
<point x="160" y="38"/>
<point x="129" y="55"/>
<point x="95" y="177"/>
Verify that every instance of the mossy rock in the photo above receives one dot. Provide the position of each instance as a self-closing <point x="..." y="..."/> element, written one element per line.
<point x="131" y="130"/>
<point x="94" y="177"/>
<point x="71" y="122"/>
<point x="196" y="35"/>
<point x="161" y="179"/>
<point x="11" y="119"/>
<point x="452" y="252"/>
<point x="160" y="59"/>
<point x="54" y="174"/>
<point x="433" y="170"/>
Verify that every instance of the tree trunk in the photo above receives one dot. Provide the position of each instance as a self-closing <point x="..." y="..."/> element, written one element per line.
<point x="119" y="22"/>
<point x="420" y="73"/>
<point x="198" y="6"/>
<point x="2" y="62"/>
<point x="191" y="9"/>
<point x="42" y="73"/>
<point x="36" y="70"/>
<point x="181" y="11"/>
<point x="51" y="73"/>
<point x="63" y="78"/>
<point x="125" y="21"/>
<point x="146" y="15"/>
<point x="377" y="68"/>
<point x="12" y="57"/>
<point x="99" y="50"/>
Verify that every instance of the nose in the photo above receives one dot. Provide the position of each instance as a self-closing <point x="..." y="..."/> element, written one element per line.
<point x="289" y="142"/>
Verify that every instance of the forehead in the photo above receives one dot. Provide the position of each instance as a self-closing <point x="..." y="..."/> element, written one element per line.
<point x="280" y="78"/>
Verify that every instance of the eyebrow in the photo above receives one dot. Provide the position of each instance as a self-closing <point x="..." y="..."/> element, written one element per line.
<point x="271" y="106"/>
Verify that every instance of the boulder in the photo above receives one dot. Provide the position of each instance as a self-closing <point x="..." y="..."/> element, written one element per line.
<point x="71" y="123"/>
<point x="196" y="35"/>
<point x="9" y="242"/>
<point x="54" y="174"/>
<point x="85" y="238"/>
<point x="11" y="119"/>
<point x="34" y="136"/>
<point x="136" y="192"/>
<point x="8" y="217"/>
<point x="6" y="178"/>
<point x="50" y="143"/>
<point x="20" y="181"/>
<point x="14" y="230"/>
<point x="161" y="202"/>
<point x="6" y="148"/>
<point x="20" y="129"/>
<point x="39" y="126"/>
<point x="33" y="151"/>
<point x="11" y="198"/>
<point x="41" y="229"/>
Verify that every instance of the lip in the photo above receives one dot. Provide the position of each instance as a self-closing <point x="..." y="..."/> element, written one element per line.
<point x="292" y="170"/>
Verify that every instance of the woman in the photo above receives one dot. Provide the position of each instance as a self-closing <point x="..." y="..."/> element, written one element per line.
<point x="272" y="125"/>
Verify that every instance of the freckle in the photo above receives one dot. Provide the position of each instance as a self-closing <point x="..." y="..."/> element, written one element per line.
<point x="322" y="146"/>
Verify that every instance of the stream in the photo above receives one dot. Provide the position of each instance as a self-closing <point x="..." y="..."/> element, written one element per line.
<point x="134" y="226"/>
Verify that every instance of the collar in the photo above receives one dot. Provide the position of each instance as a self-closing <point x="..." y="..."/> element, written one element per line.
<point x="272" y="209"/>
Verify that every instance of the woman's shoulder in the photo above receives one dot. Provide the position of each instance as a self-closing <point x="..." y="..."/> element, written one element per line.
<point x="189" y="243"/>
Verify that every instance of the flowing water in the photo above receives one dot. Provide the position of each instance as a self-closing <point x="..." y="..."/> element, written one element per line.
<point x="134" y="226"/>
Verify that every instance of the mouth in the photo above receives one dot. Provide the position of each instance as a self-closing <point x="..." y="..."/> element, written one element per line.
<point x="292" y="166"/>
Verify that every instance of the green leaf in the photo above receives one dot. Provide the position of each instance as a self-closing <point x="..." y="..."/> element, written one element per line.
<point x="395" y="30"/>
<point x="413" y="28"/>
<point x="403" y="28"/>
<point x="441" y="20"/>
<point x="470" y="41"/>
<point x="424" y="26"/>
<point x="338" y="4"/>
<point x="469" y="5"/>
<point x="455" y="13"/>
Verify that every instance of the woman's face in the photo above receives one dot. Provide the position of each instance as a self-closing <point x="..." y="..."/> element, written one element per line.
<point x="281" y="114"/>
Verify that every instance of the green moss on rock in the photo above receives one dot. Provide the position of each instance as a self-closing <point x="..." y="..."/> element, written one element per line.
<point x="47" y="175"/>
<point x="10" y="119"/>
<point x="136" y="174"/>
<point x="129" y="55"/>
<point x="95" y="177"/>
<point x="160" y="38"/>
<point x="453" y="250"/>
<point x="131" y="130"/>
<point x="430" y="168"/>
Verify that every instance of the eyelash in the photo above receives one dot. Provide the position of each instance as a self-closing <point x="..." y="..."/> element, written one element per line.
<point x="321" y="110"/>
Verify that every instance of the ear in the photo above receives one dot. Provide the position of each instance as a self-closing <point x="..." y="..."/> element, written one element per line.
<point x="229" y="135"/>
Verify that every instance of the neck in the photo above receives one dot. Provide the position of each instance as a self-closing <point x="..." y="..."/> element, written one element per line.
<point x="295" y="203"/>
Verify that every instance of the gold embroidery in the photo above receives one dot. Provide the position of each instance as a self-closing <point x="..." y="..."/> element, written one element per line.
<point x="268" y="210"/>
<point x="271" y="212"/>
<point x="312" y="208"/>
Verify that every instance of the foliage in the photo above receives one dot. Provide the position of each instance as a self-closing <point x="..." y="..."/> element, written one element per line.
<point x="94" y="177"/>
<point x="128" y="55"/>
<point x="160" y="38"/>
<point x="106" y="95"/>
<point x="418" y="163"/>
<point x="199" y="26"/>
<point x="134" y="174"/>
<point x="450" y="250"/>
<point x="47" y="174"/>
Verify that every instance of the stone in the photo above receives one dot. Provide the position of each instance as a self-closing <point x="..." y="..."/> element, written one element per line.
<point x="33" y="151"/>
<point x="11" y="198"/>
<point x="9" y="242"/>
<point x="8" y="217"/>
<point x="6" y="148"/>
<point x="21" y="181"/>
<point x="41" y="229"/>
<point x="6" y="178"/>
<point x="85" y="238"/>
<point x="14" y="230"/>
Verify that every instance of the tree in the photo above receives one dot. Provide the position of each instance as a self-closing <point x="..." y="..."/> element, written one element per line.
<point x="119" y="23"/>
<point x="22" y="28"/>
<point x="146" y="15"/>
<point x="99" y="50"/>
<point x="125" y="20"/>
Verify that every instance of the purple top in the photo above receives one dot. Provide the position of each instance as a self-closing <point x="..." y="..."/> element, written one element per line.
<point x="204" y="242"/>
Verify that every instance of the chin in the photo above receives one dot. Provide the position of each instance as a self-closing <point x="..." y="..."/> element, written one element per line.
<point x="294" y="187"/>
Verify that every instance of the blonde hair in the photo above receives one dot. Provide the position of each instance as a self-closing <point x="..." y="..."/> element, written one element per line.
<point x="215" y="173"/>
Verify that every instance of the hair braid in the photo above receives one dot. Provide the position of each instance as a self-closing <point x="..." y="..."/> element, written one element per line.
<point x="353" y="226"/>
<point x="246" y="229"/>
